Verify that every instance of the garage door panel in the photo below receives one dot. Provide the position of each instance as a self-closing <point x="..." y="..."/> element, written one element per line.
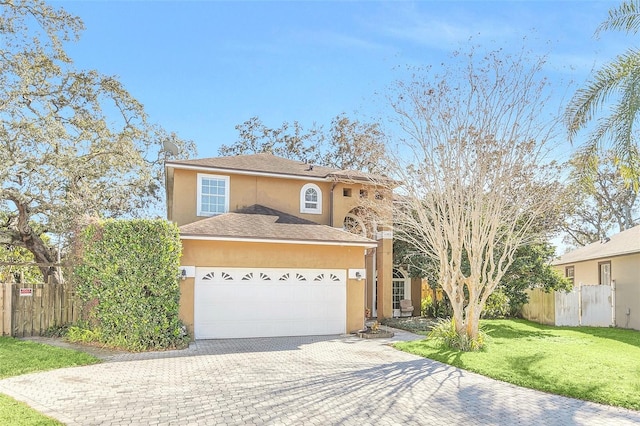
<point x="268" y="302"/>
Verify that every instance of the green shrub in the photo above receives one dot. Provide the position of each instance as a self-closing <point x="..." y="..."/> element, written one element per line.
<point x="445" y="331"/>
<point x="128" y="279"/>
<point x="426" y="305"/>
<point x="83" y="335"/>
<point x="498" y="305"/>
<point x="433" y="308"/>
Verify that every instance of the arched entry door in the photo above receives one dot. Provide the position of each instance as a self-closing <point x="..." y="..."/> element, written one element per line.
<point x="401" y="285"/>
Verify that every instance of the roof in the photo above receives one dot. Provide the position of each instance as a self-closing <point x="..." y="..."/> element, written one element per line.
<point x="271" y="164"/>
<point x="262" y="224"/>
<point x="626" y="242"/>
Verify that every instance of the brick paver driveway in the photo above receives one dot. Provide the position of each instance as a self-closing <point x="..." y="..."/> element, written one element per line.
<point x="296" y="380"/>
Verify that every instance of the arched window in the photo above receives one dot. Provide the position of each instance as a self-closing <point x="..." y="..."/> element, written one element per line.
<point x="311" y="199"/>
<point x="352" y="223"/>
<point x="360" y="222"/>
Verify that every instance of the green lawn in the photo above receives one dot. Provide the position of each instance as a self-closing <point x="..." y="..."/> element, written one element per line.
<point x="20" y="357"/>
<point x="595" y="364"/>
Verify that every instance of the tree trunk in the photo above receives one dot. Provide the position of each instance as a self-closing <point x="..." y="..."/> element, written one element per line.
<point x="42" y="255"/>
<point x="473" y="320"/>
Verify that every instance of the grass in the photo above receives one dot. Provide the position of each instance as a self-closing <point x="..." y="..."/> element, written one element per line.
<point x="594" y="364"/>
<point x="21" y="357"/>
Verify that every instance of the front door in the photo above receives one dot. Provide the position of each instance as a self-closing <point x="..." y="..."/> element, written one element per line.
<point x="401" y="287"/>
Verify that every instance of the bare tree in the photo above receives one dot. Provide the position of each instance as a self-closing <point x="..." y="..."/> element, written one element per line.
<point x="475" y="181"/>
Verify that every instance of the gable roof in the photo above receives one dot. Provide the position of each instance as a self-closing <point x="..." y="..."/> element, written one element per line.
<point x="626" y="242"/>
<point x="268" y="164"/>
<point x="262" y="224"/>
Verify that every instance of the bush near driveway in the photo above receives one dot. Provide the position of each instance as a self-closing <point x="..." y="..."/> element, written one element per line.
<point x="594" y="364"/>
<point x="127" y="275"/>
<point x="21" y="357"/>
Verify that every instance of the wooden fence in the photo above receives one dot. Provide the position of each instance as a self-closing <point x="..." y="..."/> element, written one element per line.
<point x="541" y="307"/>
<point x="30" y="309"/>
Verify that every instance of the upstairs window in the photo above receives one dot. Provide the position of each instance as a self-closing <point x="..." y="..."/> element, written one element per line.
<point x="311" y="199"/>
<point x="213" y="195"/>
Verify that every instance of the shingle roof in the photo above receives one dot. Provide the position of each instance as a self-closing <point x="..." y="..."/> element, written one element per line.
<point x="626" y="242"/>
<point x="267" y="163"/>
<point x="262" y="223"/>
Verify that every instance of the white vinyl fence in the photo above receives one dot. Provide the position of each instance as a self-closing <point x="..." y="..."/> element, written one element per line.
<point x="587" y="305"/>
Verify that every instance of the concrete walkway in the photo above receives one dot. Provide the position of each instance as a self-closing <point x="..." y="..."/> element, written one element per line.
<point x="331" y="380"/>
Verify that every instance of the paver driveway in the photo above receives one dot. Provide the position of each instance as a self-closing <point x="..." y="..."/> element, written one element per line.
<point x="296" y="380"/>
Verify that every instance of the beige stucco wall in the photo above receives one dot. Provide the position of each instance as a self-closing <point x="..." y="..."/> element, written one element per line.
<point x="625" y="270"/>
<point x="278" y="193"/>
<point x="272" y="255"/>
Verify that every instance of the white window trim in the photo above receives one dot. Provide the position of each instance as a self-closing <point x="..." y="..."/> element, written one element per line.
<point x="199" y="211"/>
<point x="303" y="208"/>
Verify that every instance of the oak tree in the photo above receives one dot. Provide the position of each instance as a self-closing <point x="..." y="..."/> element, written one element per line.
<point x="599" y="201"/>
<point x="73" y="143"/>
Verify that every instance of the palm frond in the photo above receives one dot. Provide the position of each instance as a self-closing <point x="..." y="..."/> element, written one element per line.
<point x="610" y="79"/>
<point x="625" y="17"/>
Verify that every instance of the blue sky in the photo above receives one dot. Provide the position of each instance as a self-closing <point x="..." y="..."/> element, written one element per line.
<point x="202" y="67"/>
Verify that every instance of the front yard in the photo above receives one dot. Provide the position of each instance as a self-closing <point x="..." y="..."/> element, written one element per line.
<point x="594" y="364"/>
<point x="21" y="357"/>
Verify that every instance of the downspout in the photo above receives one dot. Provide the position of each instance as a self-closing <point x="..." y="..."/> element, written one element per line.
<point x="333" y="185"/>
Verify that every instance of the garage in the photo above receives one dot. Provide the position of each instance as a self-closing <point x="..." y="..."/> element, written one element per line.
<point x="269" y="302"/>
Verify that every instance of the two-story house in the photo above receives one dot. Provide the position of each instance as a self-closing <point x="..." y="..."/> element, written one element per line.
<point x="277" y="247"/>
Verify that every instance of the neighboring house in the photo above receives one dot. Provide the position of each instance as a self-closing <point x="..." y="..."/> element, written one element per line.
<point x="267" y="252"/>
<point x="612" y="262"/>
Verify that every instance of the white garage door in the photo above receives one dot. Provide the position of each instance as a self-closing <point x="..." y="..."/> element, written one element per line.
<point x="241" y="302"/>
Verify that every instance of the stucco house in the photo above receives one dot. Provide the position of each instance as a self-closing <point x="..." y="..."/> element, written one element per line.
<point x="278" y="247"/>
<point x="615" y="262"/>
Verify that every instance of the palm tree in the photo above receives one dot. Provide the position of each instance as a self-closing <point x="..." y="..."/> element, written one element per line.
<point x="616" y="84"/>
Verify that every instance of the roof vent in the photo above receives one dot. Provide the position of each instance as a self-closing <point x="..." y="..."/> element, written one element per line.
<point x="309" y="168"/>
<point x="605" y="240"/>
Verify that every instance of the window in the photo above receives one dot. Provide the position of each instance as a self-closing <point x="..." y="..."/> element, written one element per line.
<point x="213" y="195"/>
<point x="311" y="199"/>
<point x="352" y="223"/>
<point x="604" y="272"/>
<point x="346" y="192"/>
<point x="363" y="193"/>
<point x="569" y="272"/>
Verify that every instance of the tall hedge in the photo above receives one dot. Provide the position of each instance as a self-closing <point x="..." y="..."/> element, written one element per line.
<point x="127" y="275"/>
